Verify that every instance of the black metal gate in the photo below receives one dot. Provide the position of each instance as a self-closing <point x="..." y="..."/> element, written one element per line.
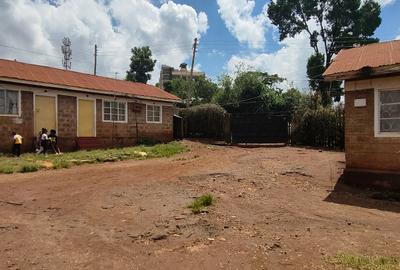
<point x="259" y="128"/>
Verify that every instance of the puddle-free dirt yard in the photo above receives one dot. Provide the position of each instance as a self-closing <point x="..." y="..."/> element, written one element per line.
<point x="276" y="208"/>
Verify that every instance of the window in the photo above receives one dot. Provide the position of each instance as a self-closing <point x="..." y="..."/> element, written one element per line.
<point x="153" y="114"/>
<point x="9" y="102"/>
<point x="389" y="112"/>
<point x="114" y="111"/>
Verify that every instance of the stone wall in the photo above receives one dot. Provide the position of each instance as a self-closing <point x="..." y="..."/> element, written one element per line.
<point x="108" y="134"/>
<point x="365" y="151"/>
<point x="22" y="125"/>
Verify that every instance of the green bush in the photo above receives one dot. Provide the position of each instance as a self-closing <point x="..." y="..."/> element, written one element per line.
<point x="204" y="121"/>
<point x="200" y="203"/>
<point x="320" y="127"/>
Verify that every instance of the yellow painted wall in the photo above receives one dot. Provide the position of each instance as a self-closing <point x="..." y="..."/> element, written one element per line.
<point x="86" y="126"/>
<point x="45" y="113"/>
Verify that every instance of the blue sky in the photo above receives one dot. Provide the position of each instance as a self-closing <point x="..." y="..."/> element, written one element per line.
<point x="232" y="33"/>
<point x="218" y="45"/>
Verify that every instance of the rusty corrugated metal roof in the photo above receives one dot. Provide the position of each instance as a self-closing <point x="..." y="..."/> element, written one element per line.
<point x="372" y="56"/>
<point x="58" y="77"/>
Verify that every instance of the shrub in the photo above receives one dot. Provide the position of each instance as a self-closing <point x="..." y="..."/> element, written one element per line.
<point x="204" y="121"/>
<point x="28" y="167"/>
<point x="200" y="203"/>
<point x="321" y="127"/>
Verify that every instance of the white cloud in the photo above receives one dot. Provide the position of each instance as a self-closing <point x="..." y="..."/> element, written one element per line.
<point x="385" y="2"/>
<point x="239" y="19"/>
<point x="115" y="25"/>
<point x="288" y="62"/>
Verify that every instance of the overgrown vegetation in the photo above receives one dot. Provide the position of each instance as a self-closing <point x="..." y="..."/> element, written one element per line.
<point x="316" y="125"/>
<point x="199" y="204"/>
<point x="206" y="120"/>
<point x="365" y="262"/>
<point x="33" y="162"/>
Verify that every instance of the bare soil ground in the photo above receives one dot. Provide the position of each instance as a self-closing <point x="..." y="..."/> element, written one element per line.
<point x="276" y="208"/>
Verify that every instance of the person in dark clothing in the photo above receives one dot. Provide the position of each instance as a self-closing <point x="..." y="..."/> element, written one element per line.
<point x="17" y="142"/>
<point x="53" y="139"/>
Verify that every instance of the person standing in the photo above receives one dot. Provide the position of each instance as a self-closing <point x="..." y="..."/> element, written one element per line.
<point x="44" y="140"/>
<point x="54" y="142"/>
<point x="17" y="142"/>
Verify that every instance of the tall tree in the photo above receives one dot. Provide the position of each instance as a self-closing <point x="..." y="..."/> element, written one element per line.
<point x="336" y="24"/>
<point x="141" y="64"/>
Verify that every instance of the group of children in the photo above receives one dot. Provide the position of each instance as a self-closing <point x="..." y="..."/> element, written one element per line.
<point x="45" y="142"/>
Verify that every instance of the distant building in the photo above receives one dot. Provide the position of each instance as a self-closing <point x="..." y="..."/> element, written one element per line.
<point x="169" y="73"/>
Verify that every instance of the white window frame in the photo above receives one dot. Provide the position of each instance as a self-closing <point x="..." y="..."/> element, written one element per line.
<point x="19" y="104"/>
<point x="111" y="121"/>
<point x="377" y="112"/>
<point x="147" y="113"/>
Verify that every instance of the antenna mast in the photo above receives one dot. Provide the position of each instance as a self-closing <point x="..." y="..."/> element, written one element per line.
<point x="67" y="52"/>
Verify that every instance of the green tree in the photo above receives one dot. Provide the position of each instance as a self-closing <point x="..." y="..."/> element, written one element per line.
<point x="339" y="24"/>
<point x="141" y="64"/>
<point x="252" y="92"/>
<point x="202" y="88"/>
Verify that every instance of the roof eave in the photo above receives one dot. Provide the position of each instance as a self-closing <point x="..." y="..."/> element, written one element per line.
<point x="78" y="89"/>
<point x="365" y="73"/>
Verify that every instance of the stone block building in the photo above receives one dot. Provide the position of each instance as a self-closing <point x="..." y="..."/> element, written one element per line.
<point x="372" y="112"/>
<point x="87" y="111"/>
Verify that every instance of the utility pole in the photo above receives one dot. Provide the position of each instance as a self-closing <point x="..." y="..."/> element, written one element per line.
<point x="95" y="59"/>
<point x="191" y="69"/>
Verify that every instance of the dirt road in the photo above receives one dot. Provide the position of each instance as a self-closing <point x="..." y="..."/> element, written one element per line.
<point x="276" y="208"/>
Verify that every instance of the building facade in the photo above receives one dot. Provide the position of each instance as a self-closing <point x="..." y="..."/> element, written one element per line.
<point x="86" y="111"/>
<point x="168" y="73"/>
<point x="372" y="112"/>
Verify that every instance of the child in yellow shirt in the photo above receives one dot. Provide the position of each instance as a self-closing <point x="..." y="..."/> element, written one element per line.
<point x="17" y="142"/>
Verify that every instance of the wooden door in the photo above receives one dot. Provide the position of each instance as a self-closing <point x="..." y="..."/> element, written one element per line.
<point x="45" y="113"/>
<point x="86" y="118"/>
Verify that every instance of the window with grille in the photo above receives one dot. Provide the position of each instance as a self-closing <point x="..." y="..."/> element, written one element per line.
<point x="9" y="102"/>
<point x="115" y="111"/>
<point x="153" y="114"/>
<point x="389" y="111"/>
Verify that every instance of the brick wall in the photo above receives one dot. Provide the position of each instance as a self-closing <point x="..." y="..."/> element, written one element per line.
<point x="160" y="132"/>
<point x="108" y="134"/>
<point x="363" y="150"/>
<point x="125" y="134"/>
<point x="115" y="134"/>
<point x="67" y="129"/>
<point x="22" y="125"/>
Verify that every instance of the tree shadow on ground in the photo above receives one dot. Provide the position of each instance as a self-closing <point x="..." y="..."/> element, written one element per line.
<point x="371" y="198"/>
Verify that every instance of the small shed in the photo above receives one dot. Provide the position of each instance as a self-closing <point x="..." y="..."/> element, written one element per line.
<point x="372" y="112"/>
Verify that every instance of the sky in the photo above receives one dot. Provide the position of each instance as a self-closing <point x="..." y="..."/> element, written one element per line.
<point x="233" y="34"/>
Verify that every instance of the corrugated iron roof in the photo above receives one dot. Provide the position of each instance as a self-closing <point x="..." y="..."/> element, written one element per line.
<point x="372" y="56"/>
<point x="59" y="77"/>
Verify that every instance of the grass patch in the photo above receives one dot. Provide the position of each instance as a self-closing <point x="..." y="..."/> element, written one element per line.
<point x="7" y="169"/>
<point x="32" y="162"/>
<point x="28" y="167"/>
<point x="365" y="262"/>
<point x="200" y="203"/>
